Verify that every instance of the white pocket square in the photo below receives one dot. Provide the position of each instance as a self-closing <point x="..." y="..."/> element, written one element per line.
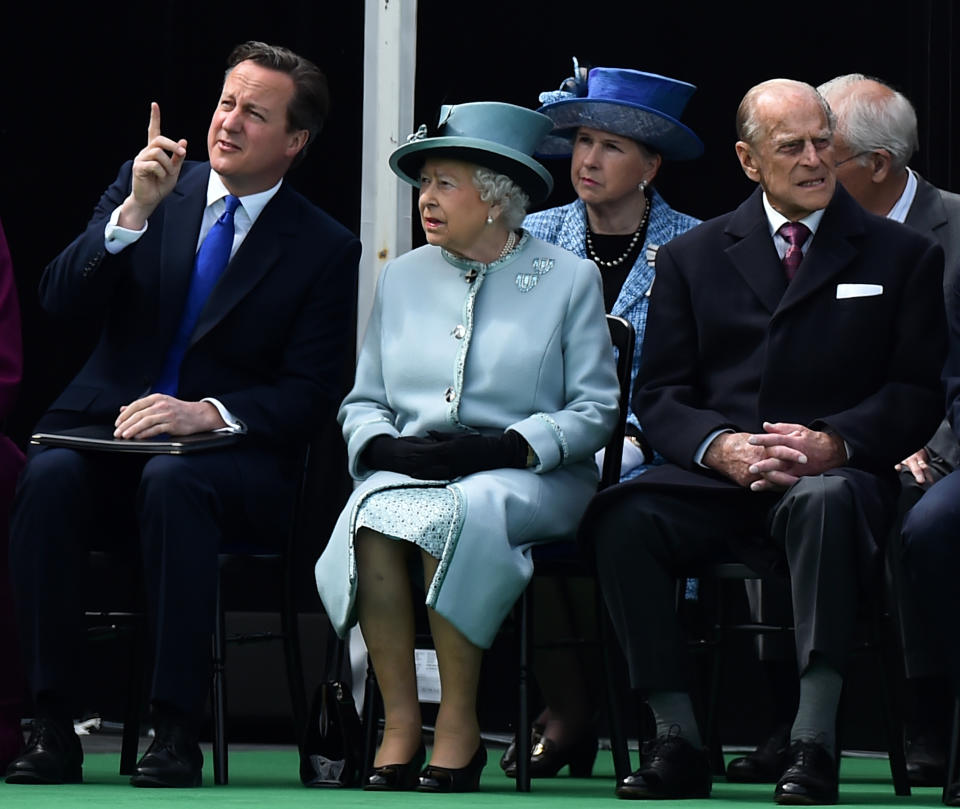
<point x="858" y="290"/>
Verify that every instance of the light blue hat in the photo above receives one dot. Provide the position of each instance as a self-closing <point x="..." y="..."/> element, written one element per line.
<point x="498" y="136"/>
<point x="630" y="103"/>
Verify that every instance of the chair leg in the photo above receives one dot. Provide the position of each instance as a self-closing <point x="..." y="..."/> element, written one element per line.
<point x="953" y="760"/>
<point x="371" y="701"/>
<point x="717" y="764"/>
<point x="294" y="659"/>
<point x="613" y="664"/>
<point x="523" y="717"/>
<point x="219" y="697"/>
<point x="891" y="661"/>
<point x="129" y="748"/>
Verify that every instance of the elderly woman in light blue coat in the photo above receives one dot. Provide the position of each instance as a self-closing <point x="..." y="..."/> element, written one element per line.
<point x="485" y="385"/>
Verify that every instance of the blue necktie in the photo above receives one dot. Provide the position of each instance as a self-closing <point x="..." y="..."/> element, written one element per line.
<point x="212" y="258"/>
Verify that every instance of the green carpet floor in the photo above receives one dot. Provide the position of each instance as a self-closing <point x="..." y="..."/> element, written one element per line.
<point x="267" y="779"/>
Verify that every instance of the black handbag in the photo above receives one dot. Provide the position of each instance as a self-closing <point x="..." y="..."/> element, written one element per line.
<point x="333" y="744"/>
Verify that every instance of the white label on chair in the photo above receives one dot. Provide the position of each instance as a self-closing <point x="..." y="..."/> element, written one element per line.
<point x="428" y="675"/>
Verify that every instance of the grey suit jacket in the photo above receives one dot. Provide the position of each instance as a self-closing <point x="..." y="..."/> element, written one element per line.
<point x="936" y="213"/>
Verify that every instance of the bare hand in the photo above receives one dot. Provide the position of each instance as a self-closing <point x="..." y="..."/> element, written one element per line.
<point x="159" y="413"/>
<point x="155" y="172"/>
<point x="794" y="451"/>
<point x="732" y="455"/>
<point x="919" y="466"/>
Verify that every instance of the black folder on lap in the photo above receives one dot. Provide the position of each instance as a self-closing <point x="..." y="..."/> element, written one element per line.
<point x="100" y="437"/>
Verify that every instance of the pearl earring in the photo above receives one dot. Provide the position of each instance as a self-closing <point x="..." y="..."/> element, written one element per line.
<point x="489" y="219"/>
<point x="643" y="186"/>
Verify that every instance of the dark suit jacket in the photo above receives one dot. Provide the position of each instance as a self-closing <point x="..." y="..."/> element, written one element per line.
<point x="270" y="343"/>
<point x="936" y="213"/>
<point x="730" y="345"/>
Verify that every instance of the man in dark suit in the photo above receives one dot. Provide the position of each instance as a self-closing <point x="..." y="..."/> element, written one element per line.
<point x="259" y="352"/>
<point x="875" y="137"/>
<point x="792" y="356"/>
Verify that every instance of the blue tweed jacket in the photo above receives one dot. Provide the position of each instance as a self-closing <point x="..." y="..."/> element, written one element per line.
<point x="566" y="226"/>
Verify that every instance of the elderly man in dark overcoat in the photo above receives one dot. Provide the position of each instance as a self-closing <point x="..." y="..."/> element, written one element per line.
<point x="792" y="357"/>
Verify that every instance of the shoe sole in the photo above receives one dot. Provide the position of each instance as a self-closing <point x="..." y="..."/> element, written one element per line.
<point x="793" y="799"/>
<point x="31" y="778"/>
<point x="151" y="782"/>
<point x="648" y="795"/>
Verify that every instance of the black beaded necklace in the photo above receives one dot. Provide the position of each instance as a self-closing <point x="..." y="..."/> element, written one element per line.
<point x="633" y="247"/>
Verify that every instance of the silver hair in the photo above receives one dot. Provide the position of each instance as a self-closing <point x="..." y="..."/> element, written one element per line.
<point x="498" y="189"/>
<point x="870" y="121"/>
<point x="749" y="129"/>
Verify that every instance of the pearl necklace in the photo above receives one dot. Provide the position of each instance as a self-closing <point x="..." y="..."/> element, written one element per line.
<point x="508" y="245"/>
<point x="640" y="231"/>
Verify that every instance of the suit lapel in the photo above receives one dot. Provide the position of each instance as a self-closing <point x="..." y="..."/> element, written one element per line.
<point x="927" y="213"/>
<point x="753" y="253"/>
<point x="259" y="253"/>
<point x="830" y="252"/>
<point x="183" y="214"/>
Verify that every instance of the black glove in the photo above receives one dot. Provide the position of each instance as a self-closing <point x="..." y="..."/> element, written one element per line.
<point x="409" y="455"/>
<point x="445" y="456"/>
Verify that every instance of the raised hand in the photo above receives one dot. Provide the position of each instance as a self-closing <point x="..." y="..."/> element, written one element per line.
<point x="155" y="171"/>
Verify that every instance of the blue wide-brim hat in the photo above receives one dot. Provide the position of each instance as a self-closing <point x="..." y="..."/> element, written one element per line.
<point x="498" y="136"/>
<point x="631" y="103"/>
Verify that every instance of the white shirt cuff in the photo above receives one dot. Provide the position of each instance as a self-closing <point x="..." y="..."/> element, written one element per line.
<point x="702" y="449"/>
<point x="115" y="238"/>
<point x="234" y="425"/>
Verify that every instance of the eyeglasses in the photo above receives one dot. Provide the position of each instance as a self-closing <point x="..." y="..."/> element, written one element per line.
<point x="852" y="157"/>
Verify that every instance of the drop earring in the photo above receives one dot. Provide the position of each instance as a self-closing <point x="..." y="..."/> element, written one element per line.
<point x="489" y="219"/>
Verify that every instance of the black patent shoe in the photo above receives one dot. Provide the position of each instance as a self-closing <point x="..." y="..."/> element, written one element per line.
<point x="670" y="767"/>
<point x="53" y="755"/>
<point x="508" y="761"/>
<point x="397" y="777"/>
<point x="764" y="765"/>
<point x="454" y="779"/>
<point x="951" y="794"/>
<point x="173" y="758"/>
<point x="810" y="778"/>
<point x="547" y="758"/>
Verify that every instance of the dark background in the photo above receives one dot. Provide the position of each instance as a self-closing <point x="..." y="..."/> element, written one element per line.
<point x="75" y="87"/>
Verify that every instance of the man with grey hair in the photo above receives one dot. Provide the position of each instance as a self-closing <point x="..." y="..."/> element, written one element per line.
<point x="876" y="137"/>
<point x="784" y="341"/>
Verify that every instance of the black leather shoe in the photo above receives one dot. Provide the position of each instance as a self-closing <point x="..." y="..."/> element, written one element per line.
<point x="396" y="777"/>
<point x="173" y="759"/>
<point x="670" y="767"/>
<point x="53" y="755"/>
<point x="547" y="758"/>
<point x="454" y="779"/>
<point x="926" y="761"/>
<point x="951" y="795"/>
<point x="764" y="765"/>
<point x="810" y="778"/>
<point x="509" y="758"/>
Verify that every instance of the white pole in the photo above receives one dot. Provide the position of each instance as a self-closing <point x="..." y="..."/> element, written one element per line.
<point x="389" y="67"/>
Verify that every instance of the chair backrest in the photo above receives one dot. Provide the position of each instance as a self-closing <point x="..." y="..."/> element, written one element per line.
<point x="623" y="337"/>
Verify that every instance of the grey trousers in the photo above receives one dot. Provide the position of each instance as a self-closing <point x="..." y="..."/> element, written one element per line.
<point x="645" y="540"/>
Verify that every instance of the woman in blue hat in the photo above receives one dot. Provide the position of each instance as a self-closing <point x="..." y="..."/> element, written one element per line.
<point x="484" y="386"/>
<point x="618" y="126"/>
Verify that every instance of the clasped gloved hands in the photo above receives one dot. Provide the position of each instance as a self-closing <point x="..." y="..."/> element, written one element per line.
<point x="445" y="456"/>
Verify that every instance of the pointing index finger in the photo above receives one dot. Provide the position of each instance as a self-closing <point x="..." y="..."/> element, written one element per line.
<point x="153" y="129"/>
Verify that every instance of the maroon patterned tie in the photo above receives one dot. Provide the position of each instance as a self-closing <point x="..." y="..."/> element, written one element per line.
<point x="795" y="233"/>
